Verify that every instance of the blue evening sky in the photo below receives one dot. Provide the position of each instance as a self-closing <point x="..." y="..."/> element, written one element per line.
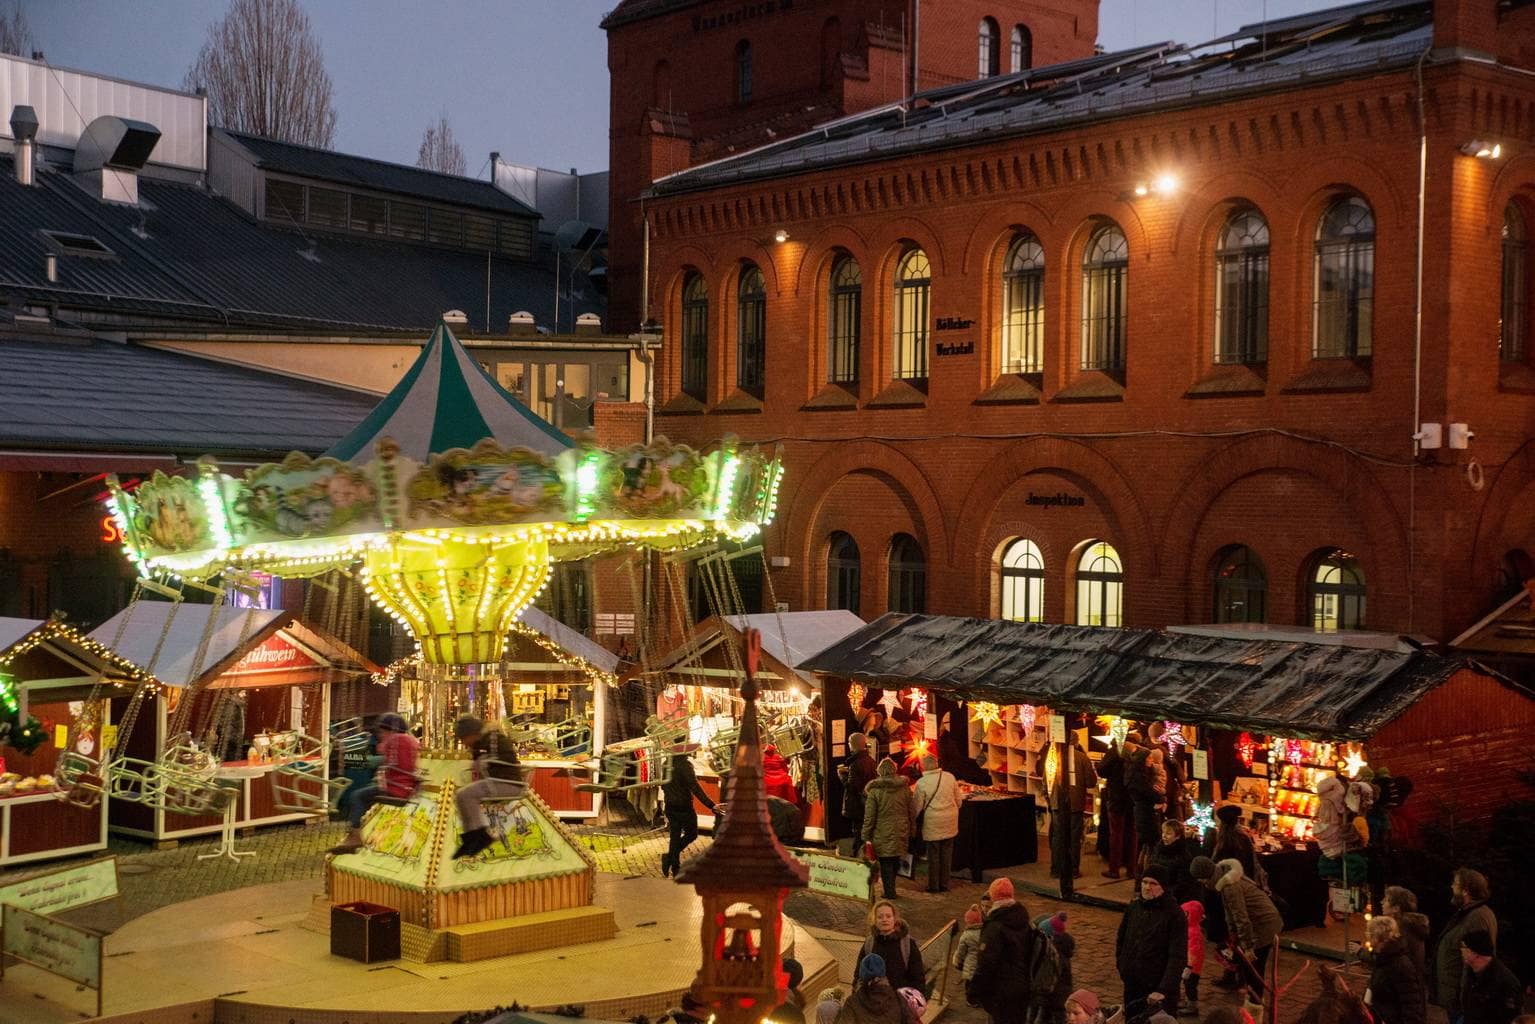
<point x="525" y="77"/>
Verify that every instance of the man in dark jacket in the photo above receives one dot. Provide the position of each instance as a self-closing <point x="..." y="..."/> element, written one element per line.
<point x="1075" y="778"/>
<point x="1469" y="893"/>
<point x="1122" y="846"/>
<point x="1396" y="993"/>
<point x="855" y="774"/>
<point x="1002" y="983"/>
<point x="677" y="795"/>
<point x="1489" y="991"/>
<point x="1151" y="948"/>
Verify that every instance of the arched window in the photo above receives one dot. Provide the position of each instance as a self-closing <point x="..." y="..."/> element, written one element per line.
<point x="1023" y="582"/>
<point x="844" y="572"/>
<point x="1513" y="326"/>
<point x="913" y="283"/>
<point x="743" y="71"/>
<point x="1022" y="49"/>
<point x="1337" y="592"/>
<point x="1241" y="586"/>
<point x="1100" y="586"/>
<point x="844" y="317"/>
<point x="1023" y="307"/>
<point x="1242" y="289"/>
<point x="751" y="330"/>
<point x="1105" y="272"/>
<point x="1344" y="280"/>
<point x="695" y="337"/>
<point x="908" y="576"/>
<point x="990" y="48"/>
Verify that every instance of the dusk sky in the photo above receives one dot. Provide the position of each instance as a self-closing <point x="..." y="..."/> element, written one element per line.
<point x="525" y="77"/>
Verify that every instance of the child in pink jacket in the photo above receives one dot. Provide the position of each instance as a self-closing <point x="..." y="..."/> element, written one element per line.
<point x="1194" y="911"/>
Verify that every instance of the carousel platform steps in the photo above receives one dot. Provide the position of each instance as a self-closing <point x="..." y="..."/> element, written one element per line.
<point x="576" y="926"/>
<point x="250" y="955"/>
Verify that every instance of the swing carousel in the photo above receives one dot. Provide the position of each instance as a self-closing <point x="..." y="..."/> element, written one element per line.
<point x="449" y="506"/>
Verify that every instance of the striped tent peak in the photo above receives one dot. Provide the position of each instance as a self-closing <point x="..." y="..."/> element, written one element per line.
<point x="446" y="400"/>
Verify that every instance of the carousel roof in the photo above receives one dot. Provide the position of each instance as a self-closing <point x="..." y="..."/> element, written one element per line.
<point x="446" y="400"/>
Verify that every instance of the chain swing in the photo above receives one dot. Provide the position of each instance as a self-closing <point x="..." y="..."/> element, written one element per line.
<point x="299" y="784"/>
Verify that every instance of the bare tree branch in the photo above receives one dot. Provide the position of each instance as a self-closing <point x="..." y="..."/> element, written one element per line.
<point x="264" y="73"/>
<point x="440" y="151"/>
<point x="15" y="33"/>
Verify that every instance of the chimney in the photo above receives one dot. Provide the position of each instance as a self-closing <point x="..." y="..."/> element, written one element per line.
<point x="1466" y="25"/>
<point x="110" y="154"/>
<point x="588" y="323"/>
<point x="521" y="324"/>
<point x="24" y="131"/>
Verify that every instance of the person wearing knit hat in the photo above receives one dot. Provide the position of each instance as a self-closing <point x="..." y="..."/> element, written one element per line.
<point x="1003" y="982"/>
<point x="1202" y="868"/>
<point x="1000" y="889"/>
<point x="829" y="1005"/>
<point x="1052" y="1005"/>
<point x="967" y="951"/>
<point x="1151" y="947"/>
<point x="1489" y="991"/>
<point x="873" y="1001"/>
<point x="396" y="777"/>
<point x="871" y="966"/>
<point x="792" y="1009"/>
<point x="1084" y="1007"/>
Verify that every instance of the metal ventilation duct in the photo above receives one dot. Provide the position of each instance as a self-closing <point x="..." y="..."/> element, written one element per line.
<point x="115" y="142"/>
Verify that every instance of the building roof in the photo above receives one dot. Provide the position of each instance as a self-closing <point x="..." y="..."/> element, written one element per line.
<point x="185" y="256"/>
<point x="446" y="400"/>
<point x="365" y="172"/>
<point x="101" y="396"/>
<point x="1508" y="631"/>
<point x="788" y="638"/>
<point x="638" y="10"/>
<point x="1343" y="42"/>
<point x="1326" y="691"/>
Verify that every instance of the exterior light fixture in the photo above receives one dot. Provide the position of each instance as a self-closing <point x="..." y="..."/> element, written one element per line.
<point x="1482" y="150"/>
<point x="1141" y="188"/>
<point x="1166" y="184"/>
<point x="780" y="236"/>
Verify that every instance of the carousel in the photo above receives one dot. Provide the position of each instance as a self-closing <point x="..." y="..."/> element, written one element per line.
<point x="449" y="507"/>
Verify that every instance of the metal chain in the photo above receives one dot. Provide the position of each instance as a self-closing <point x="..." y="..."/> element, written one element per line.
<point x="136" y="702"/>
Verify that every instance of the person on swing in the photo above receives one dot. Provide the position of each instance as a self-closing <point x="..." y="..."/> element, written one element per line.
<point x="496" y="777"/>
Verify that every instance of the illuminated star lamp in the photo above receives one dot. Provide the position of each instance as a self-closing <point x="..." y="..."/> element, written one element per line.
<point x="1202" y="819"/>
<point x="454" y="499"/>
<point x="1353" y="761"/>
<point x="855" y="695"/>
<point x="1115" y="730"/>
<point x="890" y="700"/>
<point x="917" y="699"/>
<point x="1027" y="715"/>
<point x="1052" y="768"/>
<point x="987" y="713"/>
<point x="1246" y="748"/>
<point x="1172" y="735"/>
<point x="1293" y="751"/>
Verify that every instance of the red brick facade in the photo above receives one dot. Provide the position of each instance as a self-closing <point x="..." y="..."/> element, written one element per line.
<point x="676" y="101"/>
<point x="1176" y="458"/>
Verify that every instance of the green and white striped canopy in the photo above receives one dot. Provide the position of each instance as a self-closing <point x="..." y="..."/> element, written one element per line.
<point x="445" y="400"/>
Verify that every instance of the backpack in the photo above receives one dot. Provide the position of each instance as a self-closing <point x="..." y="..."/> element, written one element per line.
<point x="1044" y="962"/>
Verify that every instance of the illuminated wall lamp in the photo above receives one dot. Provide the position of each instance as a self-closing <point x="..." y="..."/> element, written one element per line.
<point x="780" y="236"/>
<point x="1482" y="150"/>
<point x="1161" y="185"/>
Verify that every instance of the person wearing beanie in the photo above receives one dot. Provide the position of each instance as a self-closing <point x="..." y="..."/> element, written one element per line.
<point x="874" y="1000"/>
<point x="897" y="948"/>
<point x="1194" y="914"/>
<point x="792" y="1009"/>
<point x="395" y="777"/>
<point x="1253" y="922"/>
<point x="967" y="951"/>
<point x="1174" y="852"/>
<point x="1151" y="947"/>
<point x="829" y="1005"/>
<point x="1010" y="944"/>
<point x="1084" y="1007"/>
<point x="887" y="815"/>
<point x="855" y="773"/>
<point x="1489" y="992"/>
<point x="937" y="797"/>
<point x="1230" y="839"/>
<point x="1050" y="1007"/>
<point x="496" y="777"/>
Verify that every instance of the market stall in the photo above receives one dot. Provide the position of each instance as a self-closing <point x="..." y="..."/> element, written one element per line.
<point x="695" y="686"/>
<point x="259" y="684"/>
<point x="1255" y="718"/>
<point x="58" y="678"/>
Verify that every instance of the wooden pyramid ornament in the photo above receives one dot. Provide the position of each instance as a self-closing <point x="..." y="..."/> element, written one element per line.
<point x="742" y="880"/>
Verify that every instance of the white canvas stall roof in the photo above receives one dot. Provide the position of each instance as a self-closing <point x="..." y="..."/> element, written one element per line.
<point x="174" y="666"/>
<point x="569" y="640"/>
<point x="793" y="637"/>
<point x="14" y="631"/>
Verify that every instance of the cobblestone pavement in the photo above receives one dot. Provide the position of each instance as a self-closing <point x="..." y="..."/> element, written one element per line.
<point x="156" y="878"/>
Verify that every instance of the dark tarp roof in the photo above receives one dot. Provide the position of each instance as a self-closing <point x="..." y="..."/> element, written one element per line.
<point x="1270" y="686"/>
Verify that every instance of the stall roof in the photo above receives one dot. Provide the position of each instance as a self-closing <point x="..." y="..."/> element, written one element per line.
<point x="1508" y="630"/>
<point x="569" y="640"/>
<point x="1266" y="685"/>
<point x="44" y="650"/>
<point x="234" y="631"/>
<point x="14" y="631"/>
<point x="788" y="638"/>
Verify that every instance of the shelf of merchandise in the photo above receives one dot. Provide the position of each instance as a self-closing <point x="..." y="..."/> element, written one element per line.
<point x="1293" y="785"/>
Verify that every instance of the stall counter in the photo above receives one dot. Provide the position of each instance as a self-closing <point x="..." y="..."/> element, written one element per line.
<point x="38" y="826"/>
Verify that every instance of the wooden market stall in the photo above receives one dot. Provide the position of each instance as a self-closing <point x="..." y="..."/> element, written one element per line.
<point x="1256" y="716"/>
<point x="695" y="685"/>
<point x="63" y="680"/>
<point x="260" y="683"/>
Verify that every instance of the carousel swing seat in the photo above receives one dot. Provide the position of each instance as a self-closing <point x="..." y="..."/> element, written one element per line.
<point x="628" y="767"/>
<point x="300" y="787"/>
<point x="133" y="780"/>
<point x="193" y="795"/>
<point x="81" y="781"/>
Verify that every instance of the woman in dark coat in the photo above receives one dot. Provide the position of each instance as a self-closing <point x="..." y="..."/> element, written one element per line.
<point x="1397" y="993"/>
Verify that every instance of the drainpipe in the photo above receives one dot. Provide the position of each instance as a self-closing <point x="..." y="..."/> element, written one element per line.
<point x="1417" y="355"/>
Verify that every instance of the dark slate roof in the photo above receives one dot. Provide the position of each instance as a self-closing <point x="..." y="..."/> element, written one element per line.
<point x="365" y="172"/>
<point x="1339" y="43"/>
<point x="107" y="397"/>
<point x="1331" y="691"/>
<point x="638" y="10"/>
<point x="185" y="254"/>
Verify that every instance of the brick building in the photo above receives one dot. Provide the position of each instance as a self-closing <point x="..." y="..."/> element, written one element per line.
<point x="695" y="80"/>
<point x="1135" y="338"/>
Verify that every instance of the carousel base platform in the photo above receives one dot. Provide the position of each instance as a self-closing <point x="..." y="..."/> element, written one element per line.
<point x="251" y="957"/>
<point x="467" y="943"/>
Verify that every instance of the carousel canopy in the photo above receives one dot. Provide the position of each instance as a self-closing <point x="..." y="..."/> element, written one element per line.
<point x="1323" y="690"/>
<point x="446" y="400"/>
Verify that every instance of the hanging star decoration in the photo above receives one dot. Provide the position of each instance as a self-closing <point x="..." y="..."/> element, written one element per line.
<point x="1115" y="730"/>
<point x="1172" y="735"/>
<point x="1202" y="820"/>
<point x="855" y="693"/>
<point x="987" y="713"/>
<point x="1027" y="713"/>
<point x="917" y="700"/>
<point x="890" y="700"/>
<point x="1353" y="761"/>
<point x="1052" y="768"/>
<point x="1293" y="752"/>
<point x="1246" y="748"/>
